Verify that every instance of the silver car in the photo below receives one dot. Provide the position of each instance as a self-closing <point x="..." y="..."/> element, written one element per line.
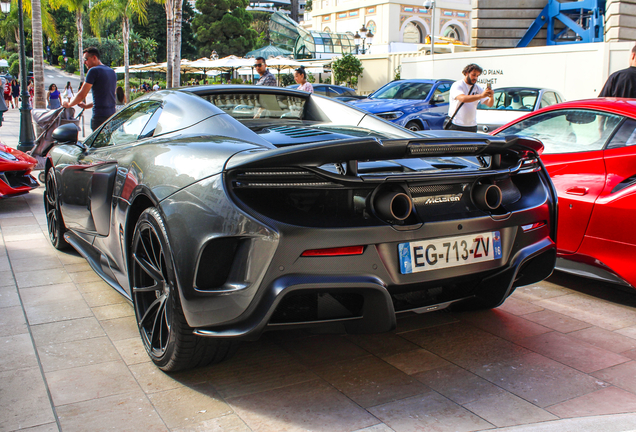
<point x="512" y="103"/>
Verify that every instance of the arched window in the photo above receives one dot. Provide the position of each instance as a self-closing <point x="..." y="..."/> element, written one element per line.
<point x="452" y="32"/>
<point x="326" y="30"/>
<point x="372" y="27"/>
<point x="412" y="33"/>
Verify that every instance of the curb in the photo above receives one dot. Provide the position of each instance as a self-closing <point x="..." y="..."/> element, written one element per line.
<point x="61" y="72"/>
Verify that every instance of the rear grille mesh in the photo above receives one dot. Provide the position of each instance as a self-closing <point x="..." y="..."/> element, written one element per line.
<point x="294" y="132"/>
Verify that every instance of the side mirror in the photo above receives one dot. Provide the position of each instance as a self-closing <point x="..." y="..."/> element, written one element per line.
<point x="65" y="134"/>
<point x="437" y="99"/>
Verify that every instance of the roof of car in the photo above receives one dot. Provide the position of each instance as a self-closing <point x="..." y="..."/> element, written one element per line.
<point x="620" y="106"/>
<point x="522" y="88"/>
<point x="422" y="80"/>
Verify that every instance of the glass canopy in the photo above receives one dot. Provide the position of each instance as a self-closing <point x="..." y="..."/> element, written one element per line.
<point x="287" y="34"/>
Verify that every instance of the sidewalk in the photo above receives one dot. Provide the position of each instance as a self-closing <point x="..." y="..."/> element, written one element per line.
<point x="558" y="356"/>
<point x="10" y="130"/>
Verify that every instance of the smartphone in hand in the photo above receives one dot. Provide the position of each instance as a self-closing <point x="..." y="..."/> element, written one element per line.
<point x="488" y="86"/>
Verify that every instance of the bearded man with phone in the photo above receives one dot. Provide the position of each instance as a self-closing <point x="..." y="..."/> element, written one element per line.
<point x="465" y="95"/>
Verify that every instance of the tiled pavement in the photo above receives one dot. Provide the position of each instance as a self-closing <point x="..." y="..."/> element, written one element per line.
<point x="557" y="356"/>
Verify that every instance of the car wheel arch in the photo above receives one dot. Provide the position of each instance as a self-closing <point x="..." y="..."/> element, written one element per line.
<point x="137" y="206"/>
<point x="422" y="124"/>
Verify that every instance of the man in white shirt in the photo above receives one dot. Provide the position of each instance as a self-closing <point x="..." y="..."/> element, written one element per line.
<point x="156" y="86"/>
<point x="460" y="92"/>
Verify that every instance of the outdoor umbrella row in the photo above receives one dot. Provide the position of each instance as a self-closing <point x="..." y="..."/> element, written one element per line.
<point x="225" y="64"/>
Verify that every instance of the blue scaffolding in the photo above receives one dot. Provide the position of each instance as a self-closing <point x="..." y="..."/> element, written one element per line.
<point x="583" y="22"/>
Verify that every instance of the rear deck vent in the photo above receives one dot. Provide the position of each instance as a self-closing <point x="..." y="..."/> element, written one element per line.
<point x="295" y="132"/>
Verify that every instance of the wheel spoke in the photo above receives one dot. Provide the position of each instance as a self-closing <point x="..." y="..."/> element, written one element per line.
<point x="149" y="311"/>
<point x="155" y="338"/>
<point x="156" y="252"/>
<point x="149" y="268"/>
<point x="157" y="286"/>
<point x="50" y="198"/>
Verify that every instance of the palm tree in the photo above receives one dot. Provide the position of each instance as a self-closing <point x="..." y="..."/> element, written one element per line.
<point x="111" y="10"/>
<point x="77" y="6"/>
<point x="41" y="20"/>
<point x="169" y="5"/>
<point x="10" y="26"/>
<point x="176" y="41"/>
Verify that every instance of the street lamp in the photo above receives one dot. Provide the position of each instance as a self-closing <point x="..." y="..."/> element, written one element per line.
<point x="27" y="138"/>
<point x="430" y="4"/>
<point x="362" y="36"/>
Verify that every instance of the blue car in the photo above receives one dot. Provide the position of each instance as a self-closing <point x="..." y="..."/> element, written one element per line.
<point x="416" y="104"/>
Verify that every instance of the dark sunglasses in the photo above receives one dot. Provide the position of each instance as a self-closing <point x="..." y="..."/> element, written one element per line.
<point x="258" y="64"/>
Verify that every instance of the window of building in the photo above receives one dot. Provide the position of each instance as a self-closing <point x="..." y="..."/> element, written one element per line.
<point x="452" y="31"/>
<point x="412" y="33"/>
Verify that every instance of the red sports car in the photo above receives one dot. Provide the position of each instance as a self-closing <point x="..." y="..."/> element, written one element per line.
<point x="590" y="153"/>
<point x="15" y="172"/>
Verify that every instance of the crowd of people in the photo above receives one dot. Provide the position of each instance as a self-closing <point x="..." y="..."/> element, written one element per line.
<point x="107" y="79"/>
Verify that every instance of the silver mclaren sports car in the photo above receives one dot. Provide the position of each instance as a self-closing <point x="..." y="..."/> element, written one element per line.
<point x="222" y="212"/>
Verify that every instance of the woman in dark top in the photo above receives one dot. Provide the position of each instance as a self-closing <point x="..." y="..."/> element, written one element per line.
<point x="121" y="98"/>
<point x="15" y="92"/>
<point x="53" y="97"/>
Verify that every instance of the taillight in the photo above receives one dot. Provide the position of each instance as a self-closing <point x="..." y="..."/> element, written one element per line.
<point x="339" y="251"/>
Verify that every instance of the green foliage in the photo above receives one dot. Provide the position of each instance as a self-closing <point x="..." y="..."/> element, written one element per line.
<point x="111" y="50"/>
<point x="224" y="26"/>
<point x="309" y="5"/>
<point x="72" y="65"/>
<point x="14" y="68"/>
<point x="398" y="73"/>
<point x="60" y="60"/>
<point x="287" y="79"/>
<point x="65" y="22"/>
<point x="311" y="78"/>
<point x="188" y="43"/>
<point x="136" y="95"/>
<point x="14" y="57"/>
<point x="155" y="29"/>
<point x="141" y="50"/>
<point x="260" y="24"/>
<point x="347" y="69"/>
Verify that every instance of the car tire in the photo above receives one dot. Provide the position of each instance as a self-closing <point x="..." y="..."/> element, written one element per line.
<point x="166" y="335"/>
<point x="413" y="126"/>
<point x="54" y="221"/>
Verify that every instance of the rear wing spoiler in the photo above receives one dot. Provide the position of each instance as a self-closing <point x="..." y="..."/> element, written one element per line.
<point x="352" y="150"/>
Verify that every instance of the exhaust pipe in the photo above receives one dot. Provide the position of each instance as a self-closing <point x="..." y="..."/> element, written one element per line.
<point x="393" y="205"/>
<point x="487" y="196"/>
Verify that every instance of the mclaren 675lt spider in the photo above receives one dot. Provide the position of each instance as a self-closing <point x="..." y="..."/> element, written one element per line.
<point x="222" y="212"/>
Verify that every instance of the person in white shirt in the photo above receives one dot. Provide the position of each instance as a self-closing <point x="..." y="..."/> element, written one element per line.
<point x="68" y="91"/>
<point x="465" y="119"/>
<point x="156" y="87"/>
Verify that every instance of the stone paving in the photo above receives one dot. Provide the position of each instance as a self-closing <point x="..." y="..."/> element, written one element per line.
<point x="557" y="356"/>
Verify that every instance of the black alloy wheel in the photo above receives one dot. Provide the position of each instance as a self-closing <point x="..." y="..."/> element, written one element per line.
<point x="54" y="221"/>
<point x="168" y="339"/>
<point x="413" y="126"/>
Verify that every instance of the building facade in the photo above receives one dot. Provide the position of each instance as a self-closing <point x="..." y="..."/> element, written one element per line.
<point x="397" y="25"/>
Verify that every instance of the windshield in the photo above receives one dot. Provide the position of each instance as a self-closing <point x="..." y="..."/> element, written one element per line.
<point x="255" y="105"/>
<point x="567" y="130"/>
<point x="513" y="100"/>
<point x="403" y="90"/>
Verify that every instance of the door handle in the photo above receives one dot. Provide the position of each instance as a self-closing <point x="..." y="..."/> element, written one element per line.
<point x="577" y="190"/>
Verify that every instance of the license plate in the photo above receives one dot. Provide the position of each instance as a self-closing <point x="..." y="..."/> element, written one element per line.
<point x="448" y="252"/>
